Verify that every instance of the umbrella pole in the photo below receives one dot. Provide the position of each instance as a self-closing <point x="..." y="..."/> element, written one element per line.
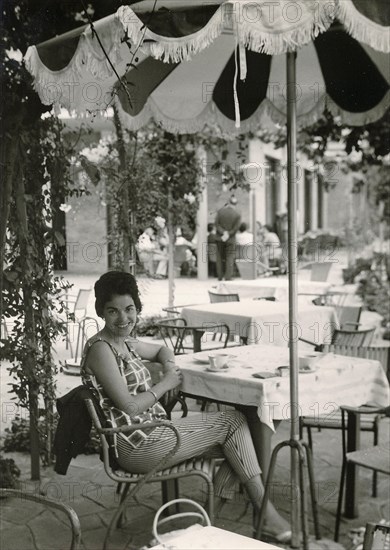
<point x="299" y="451"/>
<point x="293" y="288"/>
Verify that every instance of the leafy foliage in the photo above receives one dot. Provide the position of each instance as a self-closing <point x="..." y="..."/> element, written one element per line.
<point x="9" y="473"/>
<point x="373" y="275"/>
<point x="17" y="438"/>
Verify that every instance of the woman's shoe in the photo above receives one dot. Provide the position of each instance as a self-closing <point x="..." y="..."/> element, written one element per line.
<point x="282" y="538"/>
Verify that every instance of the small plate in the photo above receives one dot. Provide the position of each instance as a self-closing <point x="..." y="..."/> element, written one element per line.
<point x="307" y="370"/>
<point x="216" y="370"/>
<point x="202" y="360"/>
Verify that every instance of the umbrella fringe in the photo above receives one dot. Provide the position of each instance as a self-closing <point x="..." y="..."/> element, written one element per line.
<point x="210" y="116"/>
<point x="359" y="119"/>
<point x="363" y="29"/>
<point x="170" y="49"/>
<point x="316" y="18"/>
<point x="277" y="43"/>
<point x="87" y="56"/>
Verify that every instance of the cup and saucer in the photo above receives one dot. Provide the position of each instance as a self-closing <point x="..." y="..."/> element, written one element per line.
<point x="218" y="363"/>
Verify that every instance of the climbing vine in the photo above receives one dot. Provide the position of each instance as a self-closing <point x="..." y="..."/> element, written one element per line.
<point x="34" y="309"/>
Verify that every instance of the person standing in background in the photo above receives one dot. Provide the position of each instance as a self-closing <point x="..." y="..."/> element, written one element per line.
<point x="227" y="222"/>
<point x="211" y="250"/>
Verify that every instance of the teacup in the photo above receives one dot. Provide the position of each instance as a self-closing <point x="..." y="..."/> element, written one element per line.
<point x="284" y="370"/>
<point x="307" y="361"/>
<point x="218" y="362"/>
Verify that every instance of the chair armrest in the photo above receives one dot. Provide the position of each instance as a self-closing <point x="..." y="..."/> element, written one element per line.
<point x="50" y="503"/>
<point x="176" y="309"/>
<point x="135" y="427"/>
<point x="307" y="341"/>
<point x="317" y="347"/>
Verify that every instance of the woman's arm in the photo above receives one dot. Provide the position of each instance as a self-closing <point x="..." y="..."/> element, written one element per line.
<point x="163" y="356"/>
<point x="102" y="362"/>
<point x="157" y="353"/>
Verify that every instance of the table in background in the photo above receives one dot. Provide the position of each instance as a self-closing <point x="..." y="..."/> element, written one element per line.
<point x="261" y="321"/>
<point x="273" y="286"/>
<point x="321" y="392"/>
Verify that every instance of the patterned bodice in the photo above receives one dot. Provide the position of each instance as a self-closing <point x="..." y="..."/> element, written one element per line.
<point x="137" y="379"/>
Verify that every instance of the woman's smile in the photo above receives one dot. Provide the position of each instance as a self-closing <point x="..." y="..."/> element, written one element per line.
<point x="120" y="313"/>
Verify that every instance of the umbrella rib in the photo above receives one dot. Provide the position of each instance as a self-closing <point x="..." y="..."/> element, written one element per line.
<point x="106" y="54"/>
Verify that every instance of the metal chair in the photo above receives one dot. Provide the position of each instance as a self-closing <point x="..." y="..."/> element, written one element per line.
<point x="198" y="466"/>
<point x="375" y="458"/>
<point x="49" y="503"/>
<point x="348" y="314"/>
<point x="320" y="271"/>
<point x="183" y="338"/>
<point x="176" y="310"/>
<point x="356" y="338"/>
<point x="216" y="297"/>
<point x="345" y="337"/>
<point x="77" y="308"/>
<point x="72" y="365"/>
<point x="368" y="423"/>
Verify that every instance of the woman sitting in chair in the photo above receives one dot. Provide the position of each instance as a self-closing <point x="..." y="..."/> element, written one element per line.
<point x="112" y="368"/>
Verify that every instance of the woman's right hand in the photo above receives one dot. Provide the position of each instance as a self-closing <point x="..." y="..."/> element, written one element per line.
<point x="172" y="379"/>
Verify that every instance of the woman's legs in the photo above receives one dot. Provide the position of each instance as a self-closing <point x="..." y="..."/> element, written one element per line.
<point x="226" y="432"/>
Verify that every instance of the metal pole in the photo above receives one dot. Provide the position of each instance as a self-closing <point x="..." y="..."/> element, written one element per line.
<point x="254" y="264"/>
<point x="293" y="289"/>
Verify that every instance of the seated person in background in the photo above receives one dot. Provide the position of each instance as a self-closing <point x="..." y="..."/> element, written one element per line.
<point x="272" y="250"/>
<point x="112" y="368"/>
<point x="149" y="252"/>
<point x="243" y="238"/>
<point x="188" y="265"/>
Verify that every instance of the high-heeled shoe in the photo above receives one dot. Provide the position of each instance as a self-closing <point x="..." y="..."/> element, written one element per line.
<point x="281" y="538"/>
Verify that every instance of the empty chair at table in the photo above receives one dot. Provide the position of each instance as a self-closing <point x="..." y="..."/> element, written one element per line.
<point x="346" y="337"/>
<point x="183" y="338"/>
<point x="368" y="422"/>
<point x="319" y="271"/>
<point x="375" y="458"/>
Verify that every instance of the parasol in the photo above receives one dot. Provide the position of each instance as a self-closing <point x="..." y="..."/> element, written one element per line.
<point x="186" y="63"/>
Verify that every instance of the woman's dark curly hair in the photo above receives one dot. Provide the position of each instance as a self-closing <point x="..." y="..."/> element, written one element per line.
<point x="112" y="283"/>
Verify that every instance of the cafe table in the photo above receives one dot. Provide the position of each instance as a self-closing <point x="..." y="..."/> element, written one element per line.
<point x="321" y="390"/>
<point x="265" y="322"/>
<point x="213" y="538"/>
<point x="273" y="286"/>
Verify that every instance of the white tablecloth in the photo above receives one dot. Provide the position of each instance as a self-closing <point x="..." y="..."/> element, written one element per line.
<point x="273" y="286"/>
<point x="213" y="538"/>
<point x="265" y="322"/>
<point x="337" y="380"/>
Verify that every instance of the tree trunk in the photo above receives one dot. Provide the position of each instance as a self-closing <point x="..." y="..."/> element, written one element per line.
<point x="29" y="325"/>
<point x="8" y="155"/>
<point x="171" y="246"/>
<point x="125" y="206"/>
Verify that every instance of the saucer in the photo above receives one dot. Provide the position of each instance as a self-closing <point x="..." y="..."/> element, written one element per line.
<point x="209" y="369"/>
<point x="307" y="370"/>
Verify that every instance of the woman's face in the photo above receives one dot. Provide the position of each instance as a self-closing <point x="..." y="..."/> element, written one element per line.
<point x="120" y="314"/>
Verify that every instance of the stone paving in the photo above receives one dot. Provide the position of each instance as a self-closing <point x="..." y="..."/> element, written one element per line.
<point x="91" y="493"/>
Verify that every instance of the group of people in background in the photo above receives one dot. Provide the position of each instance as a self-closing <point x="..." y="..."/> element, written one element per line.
<point x="228" y="239"/>
<point x="152" y="249"/>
